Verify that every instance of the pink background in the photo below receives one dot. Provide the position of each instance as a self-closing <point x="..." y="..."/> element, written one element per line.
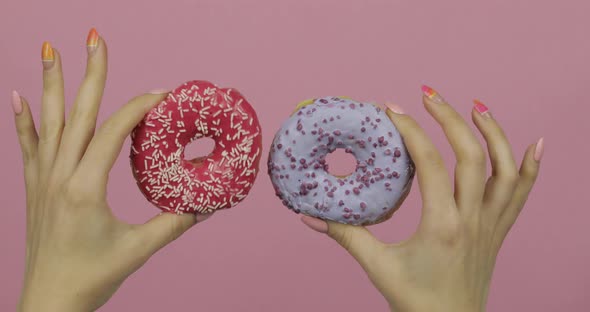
<point x="528" y="60"/>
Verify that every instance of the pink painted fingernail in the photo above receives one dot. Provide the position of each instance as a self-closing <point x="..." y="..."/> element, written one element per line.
<point x="17" y="103"/>
<point x="539" y="149"/>
<point x="315" y="224"/>
<point x="432" y="94"/>
<point x="159" y="91"/>
<point x="202" y="217"/>
<point x="394" y="108"/>
<point x="480" y="107"/>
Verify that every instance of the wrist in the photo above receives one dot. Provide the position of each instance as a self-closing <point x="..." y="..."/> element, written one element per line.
<point x="49" y="302"/>
<point x="439" y="307"/>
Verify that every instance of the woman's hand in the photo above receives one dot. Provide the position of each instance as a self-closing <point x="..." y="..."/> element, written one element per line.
<point x="447" y="264"/>
<point x="77" y="252"/>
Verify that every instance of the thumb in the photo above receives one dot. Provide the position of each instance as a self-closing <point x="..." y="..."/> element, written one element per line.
<point x="357" y="240"/>
<point x="164" y="228"/>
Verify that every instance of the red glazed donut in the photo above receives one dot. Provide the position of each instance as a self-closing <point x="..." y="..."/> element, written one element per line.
<point x="220" y="180"/>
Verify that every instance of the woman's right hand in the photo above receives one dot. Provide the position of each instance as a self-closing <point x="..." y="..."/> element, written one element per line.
<point x="77" y="252"/>
<point x="448" y="263"/>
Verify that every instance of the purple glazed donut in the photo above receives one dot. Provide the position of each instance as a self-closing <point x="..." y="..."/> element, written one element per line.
<point x="298" y="168"/>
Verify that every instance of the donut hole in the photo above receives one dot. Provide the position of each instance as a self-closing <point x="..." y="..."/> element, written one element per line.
<point x="340" y="163"/>
<point x="196" y="151"/>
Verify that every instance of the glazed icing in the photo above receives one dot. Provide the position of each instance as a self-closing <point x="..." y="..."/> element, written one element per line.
<point x="298" y="168"/>
<point x="220" y="180"/>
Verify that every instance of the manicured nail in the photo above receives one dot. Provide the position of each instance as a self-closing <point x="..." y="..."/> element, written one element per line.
<point x="480" y="107"/>
<point x="92" y="40"/>
<point x="539" y="150"/>
<point x="159" y="91"/>
<point x="394" y="108"/>
<point x="432" y="94"/>
<point x="17" y="104"/>
<point x="202" y="217"/>
<point x="47" y="55"/>
<point x="315" y="224"/>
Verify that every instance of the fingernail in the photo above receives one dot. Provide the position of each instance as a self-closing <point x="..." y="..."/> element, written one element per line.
<point x="315" y="224"/>
<point x="17" y="104"/>
<point x="47" y="55"/>
<point x="202" y="217"/>
<point x="92" y="40"/>
<point x="394" y="108"/>
<point x="480" y="107"/>
<point x="432" y="94"/>
<point x="159" y="91"/>
<point x="539" y="149"/>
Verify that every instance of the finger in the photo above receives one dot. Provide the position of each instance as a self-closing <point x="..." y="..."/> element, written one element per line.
<point x="25" y="128"/>
<point x="433" y="178"/>
<point x="357" y="240"/>
<point x="82" y="119"/>
<point x="470" y="170"/>
<point x="104" y="148"/>
<point x="529" y="171"/>
<point x="164" y="228"/>
<point x="52" y="109"/>
<point x="504" y="172"/>
<point x="28" y="139"/>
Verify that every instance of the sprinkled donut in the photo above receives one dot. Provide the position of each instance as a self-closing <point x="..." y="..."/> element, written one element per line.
<point x="220" y="180"/>
<point x="299" y="172"/>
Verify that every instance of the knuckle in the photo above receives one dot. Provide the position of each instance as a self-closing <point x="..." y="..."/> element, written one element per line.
<point x="76" y="194"/>
<point x="28" y="157"/>
<point x="431" y="157"/>
<point x="50" y="131"/>
<point x="94" y="80"/>
<point x="50" y="84"/>
<point x="109" y="128"/>
<point x="30" y="177"/>
<point x="450" y="228"/>
<point x="529" y="175"/>
<point x="28" y="150"/>
<point x="176" y="229"/>
<point x="23" y="128"/>
<point x="510" y="178"/>
<point x="473" y="154"/>
<point x="451" y="234"/>
<point x="84" y="117"/>
<point x="451" y="119"/>
<point x="344" y="238"/>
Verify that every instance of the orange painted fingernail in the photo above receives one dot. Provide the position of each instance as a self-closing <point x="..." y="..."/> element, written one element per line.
<point x="47" y="55"/>
<point x="480" y="107"/>
<point x="432" y="94"/>
<point x="92" y="40"/>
